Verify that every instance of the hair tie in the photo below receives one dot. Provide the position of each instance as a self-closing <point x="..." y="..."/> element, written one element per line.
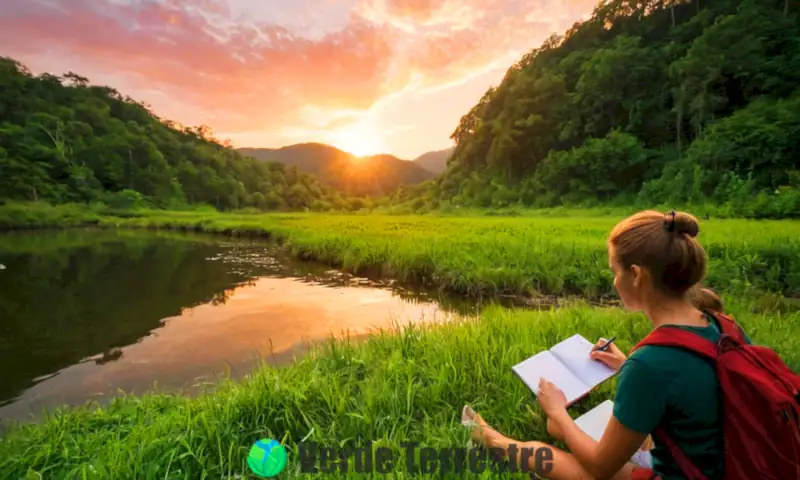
<point x="669" y="223"/>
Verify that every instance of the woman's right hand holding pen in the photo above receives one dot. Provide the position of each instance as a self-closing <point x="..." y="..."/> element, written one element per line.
<point x="612" y="356"/>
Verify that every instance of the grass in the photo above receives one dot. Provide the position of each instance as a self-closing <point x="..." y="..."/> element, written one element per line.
<point x="480" y="255"/>
<point x="397" y="386"/>
<point x="393" y="388"/>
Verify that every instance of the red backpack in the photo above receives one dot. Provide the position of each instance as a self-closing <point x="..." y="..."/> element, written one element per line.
<point x="760" y="398"/>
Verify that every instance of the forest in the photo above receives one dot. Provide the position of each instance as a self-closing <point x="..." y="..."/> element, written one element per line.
<point x="64" y="140"/>
<point x="647" y="102"/>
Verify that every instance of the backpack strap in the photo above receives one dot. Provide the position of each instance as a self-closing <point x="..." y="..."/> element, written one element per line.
<point x="672" y="336"/>
<point x="729" y="327"/>
<point x="687" y="467"/>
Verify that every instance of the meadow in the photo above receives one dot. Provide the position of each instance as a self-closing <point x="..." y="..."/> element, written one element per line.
<point x="475" y="255"/>
<point x="405" y="385"/>
<point x="396" y="387"/>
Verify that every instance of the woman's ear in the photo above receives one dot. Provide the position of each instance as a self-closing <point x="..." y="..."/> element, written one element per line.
<point x="636" y="270"/>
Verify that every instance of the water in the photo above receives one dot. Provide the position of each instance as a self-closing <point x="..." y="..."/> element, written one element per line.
<point x="86" y="313"/>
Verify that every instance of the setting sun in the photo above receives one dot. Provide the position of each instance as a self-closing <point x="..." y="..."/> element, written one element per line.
<point x="359" y="139"/>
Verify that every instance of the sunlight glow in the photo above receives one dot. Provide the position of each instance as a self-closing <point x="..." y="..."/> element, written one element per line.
<point x="360" y="139"/>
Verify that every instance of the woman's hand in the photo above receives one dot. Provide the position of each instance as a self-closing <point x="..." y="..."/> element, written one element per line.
<point x="613" y="356"/>
<point x="551" y="398"/>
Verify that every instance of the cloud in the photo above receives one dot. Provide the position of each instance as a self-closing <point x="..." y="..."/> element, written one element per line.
<point x="245" y="67"/>
<point x="254" y="72"/>
<point x="415" y="10"/>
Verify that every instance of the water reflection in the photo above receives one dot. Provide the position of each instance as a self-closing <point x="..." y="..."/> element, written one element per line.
<point x="85" y="313"/>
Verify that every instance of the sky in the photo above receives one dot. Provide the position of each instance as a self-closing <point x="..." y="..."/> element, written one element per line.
<point x="367" y="76"/>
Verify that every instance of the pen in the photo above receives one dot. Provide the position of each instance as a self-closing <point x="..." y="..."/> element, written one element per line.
<point x="606" y="346"/>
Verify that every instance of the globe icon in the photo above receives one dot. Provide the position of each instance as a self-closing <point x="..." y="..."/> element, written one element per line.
<point x="267" y="458"/>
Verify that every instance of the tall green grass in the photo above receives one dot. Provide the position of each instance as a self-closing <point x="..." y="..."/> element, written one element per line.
<point x="472" y="255"/>
<point x="390" y="389"/>
<point x="509" y="255"/>
<point x="396" y="386"/>
<point x="21" y="215"/>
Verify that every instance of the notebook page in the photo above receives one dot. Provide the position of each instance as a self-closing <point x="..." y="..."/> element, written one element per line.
<point x="546" y="365"/>
<point x="574" y="353"/>
<point x="594" y="421"/>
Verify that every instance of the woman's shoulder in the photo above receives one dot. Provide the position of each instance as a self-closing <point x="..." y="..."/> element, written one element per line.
<point x="664" y="359"/>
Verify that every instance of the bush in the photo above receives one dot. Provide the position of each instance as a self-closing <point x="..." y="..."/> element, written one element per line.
<point x="125" y="199"/>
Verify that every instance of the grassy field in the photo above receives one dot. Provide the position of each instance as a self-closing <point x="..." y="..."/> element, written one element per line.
<point x="475" y="255"/>
<point x="391" y="389"/>
<point x="403" y="386"/>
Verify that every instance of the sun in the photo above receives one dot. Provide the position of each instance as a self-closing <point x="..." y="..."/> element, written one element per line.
<point x="359" y="139"/>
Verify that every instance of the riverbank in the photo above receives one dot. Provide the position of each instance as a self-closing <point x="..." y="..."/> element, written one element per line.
<point x="526" y="255"/>
<point x="402" y="386"/>
<point x="390" y="389"/>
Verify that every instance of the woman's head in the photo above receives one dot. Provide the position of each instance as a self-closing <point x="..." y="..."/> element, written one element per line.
<point x="655" y="255"/>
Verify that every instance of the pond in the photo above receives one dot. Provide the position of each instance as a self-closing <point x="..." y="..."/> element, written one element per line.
<point x="87" y="313"/>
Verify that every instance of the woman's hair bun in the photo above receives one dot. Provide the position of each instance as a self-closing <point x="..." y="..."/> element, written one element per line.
<point x="705" y="299"/>
<point x="686" y="223"/>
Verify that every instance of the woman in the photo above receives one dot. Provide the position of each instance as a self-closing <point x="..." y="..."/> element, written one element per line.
<point x="658" y="265"/>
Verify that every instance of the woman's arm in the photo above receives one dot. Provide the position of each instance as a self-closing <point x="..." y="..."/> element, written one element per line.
<point x="639" y="405"/>
<point x="605" y="458"/>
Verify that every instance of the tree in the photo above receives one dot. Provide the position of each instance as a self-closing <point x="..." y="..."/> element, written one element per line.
<point x="63" y="139"/>
<point x="642" y="93"/>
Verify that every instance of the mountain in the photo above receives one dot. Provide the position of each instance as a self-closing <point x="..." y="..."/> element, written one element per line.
<point x="373" y="175"/>
<point x="434" y="162"/>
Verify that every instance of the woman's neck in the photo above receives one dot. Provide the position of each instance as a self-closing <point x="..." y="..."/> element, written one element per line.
<point x="667" y="311"/>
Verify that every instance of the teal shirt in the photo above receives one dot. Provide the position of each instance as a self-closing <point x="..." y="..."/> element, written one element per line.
<point x="679" y="391"/>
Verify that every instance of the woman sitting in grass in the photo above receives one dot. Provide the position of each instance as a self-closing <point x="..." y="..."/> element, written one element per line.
<point x="658" y="265"/>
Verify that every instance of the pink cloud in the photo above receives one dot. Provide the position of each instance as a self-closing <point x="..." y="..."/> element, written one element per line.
<point x="259" y="70"/>
<point x="248" y="74"/>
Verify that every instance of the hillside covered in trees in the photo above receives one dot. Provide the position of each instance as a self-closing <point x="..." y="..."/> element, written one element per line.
<point x="650" y="101"/>
<point x="647" y="102"/>
<point x="374" y="175"/>
<point x="65" y="140"/>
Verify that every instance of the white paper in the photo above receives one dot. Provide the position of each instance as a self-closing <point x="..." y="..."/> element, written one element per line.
<point x="595" y="421"/>
<point x="574" y="353"/>
<point x="546" y="365"/>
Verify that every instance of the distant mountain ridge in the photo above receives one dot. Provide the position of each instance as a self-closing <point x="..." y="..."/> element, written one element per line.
<point x="372" y="175"/>
<point x="436" y="161"/>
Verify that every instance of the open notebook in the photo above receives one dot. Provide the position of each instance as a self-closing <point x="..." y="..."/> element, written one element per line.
<point x="594" y="423"/>
<point x="568" y="366"/>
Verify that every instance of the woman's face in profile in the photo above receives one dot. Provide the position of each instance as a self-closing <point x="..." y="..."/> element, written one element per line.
<point x="624" y="281"/>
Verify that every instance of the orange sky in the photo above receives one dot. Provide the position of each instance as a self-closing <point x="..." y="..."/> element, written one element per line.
<point x="368" y="76"/>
